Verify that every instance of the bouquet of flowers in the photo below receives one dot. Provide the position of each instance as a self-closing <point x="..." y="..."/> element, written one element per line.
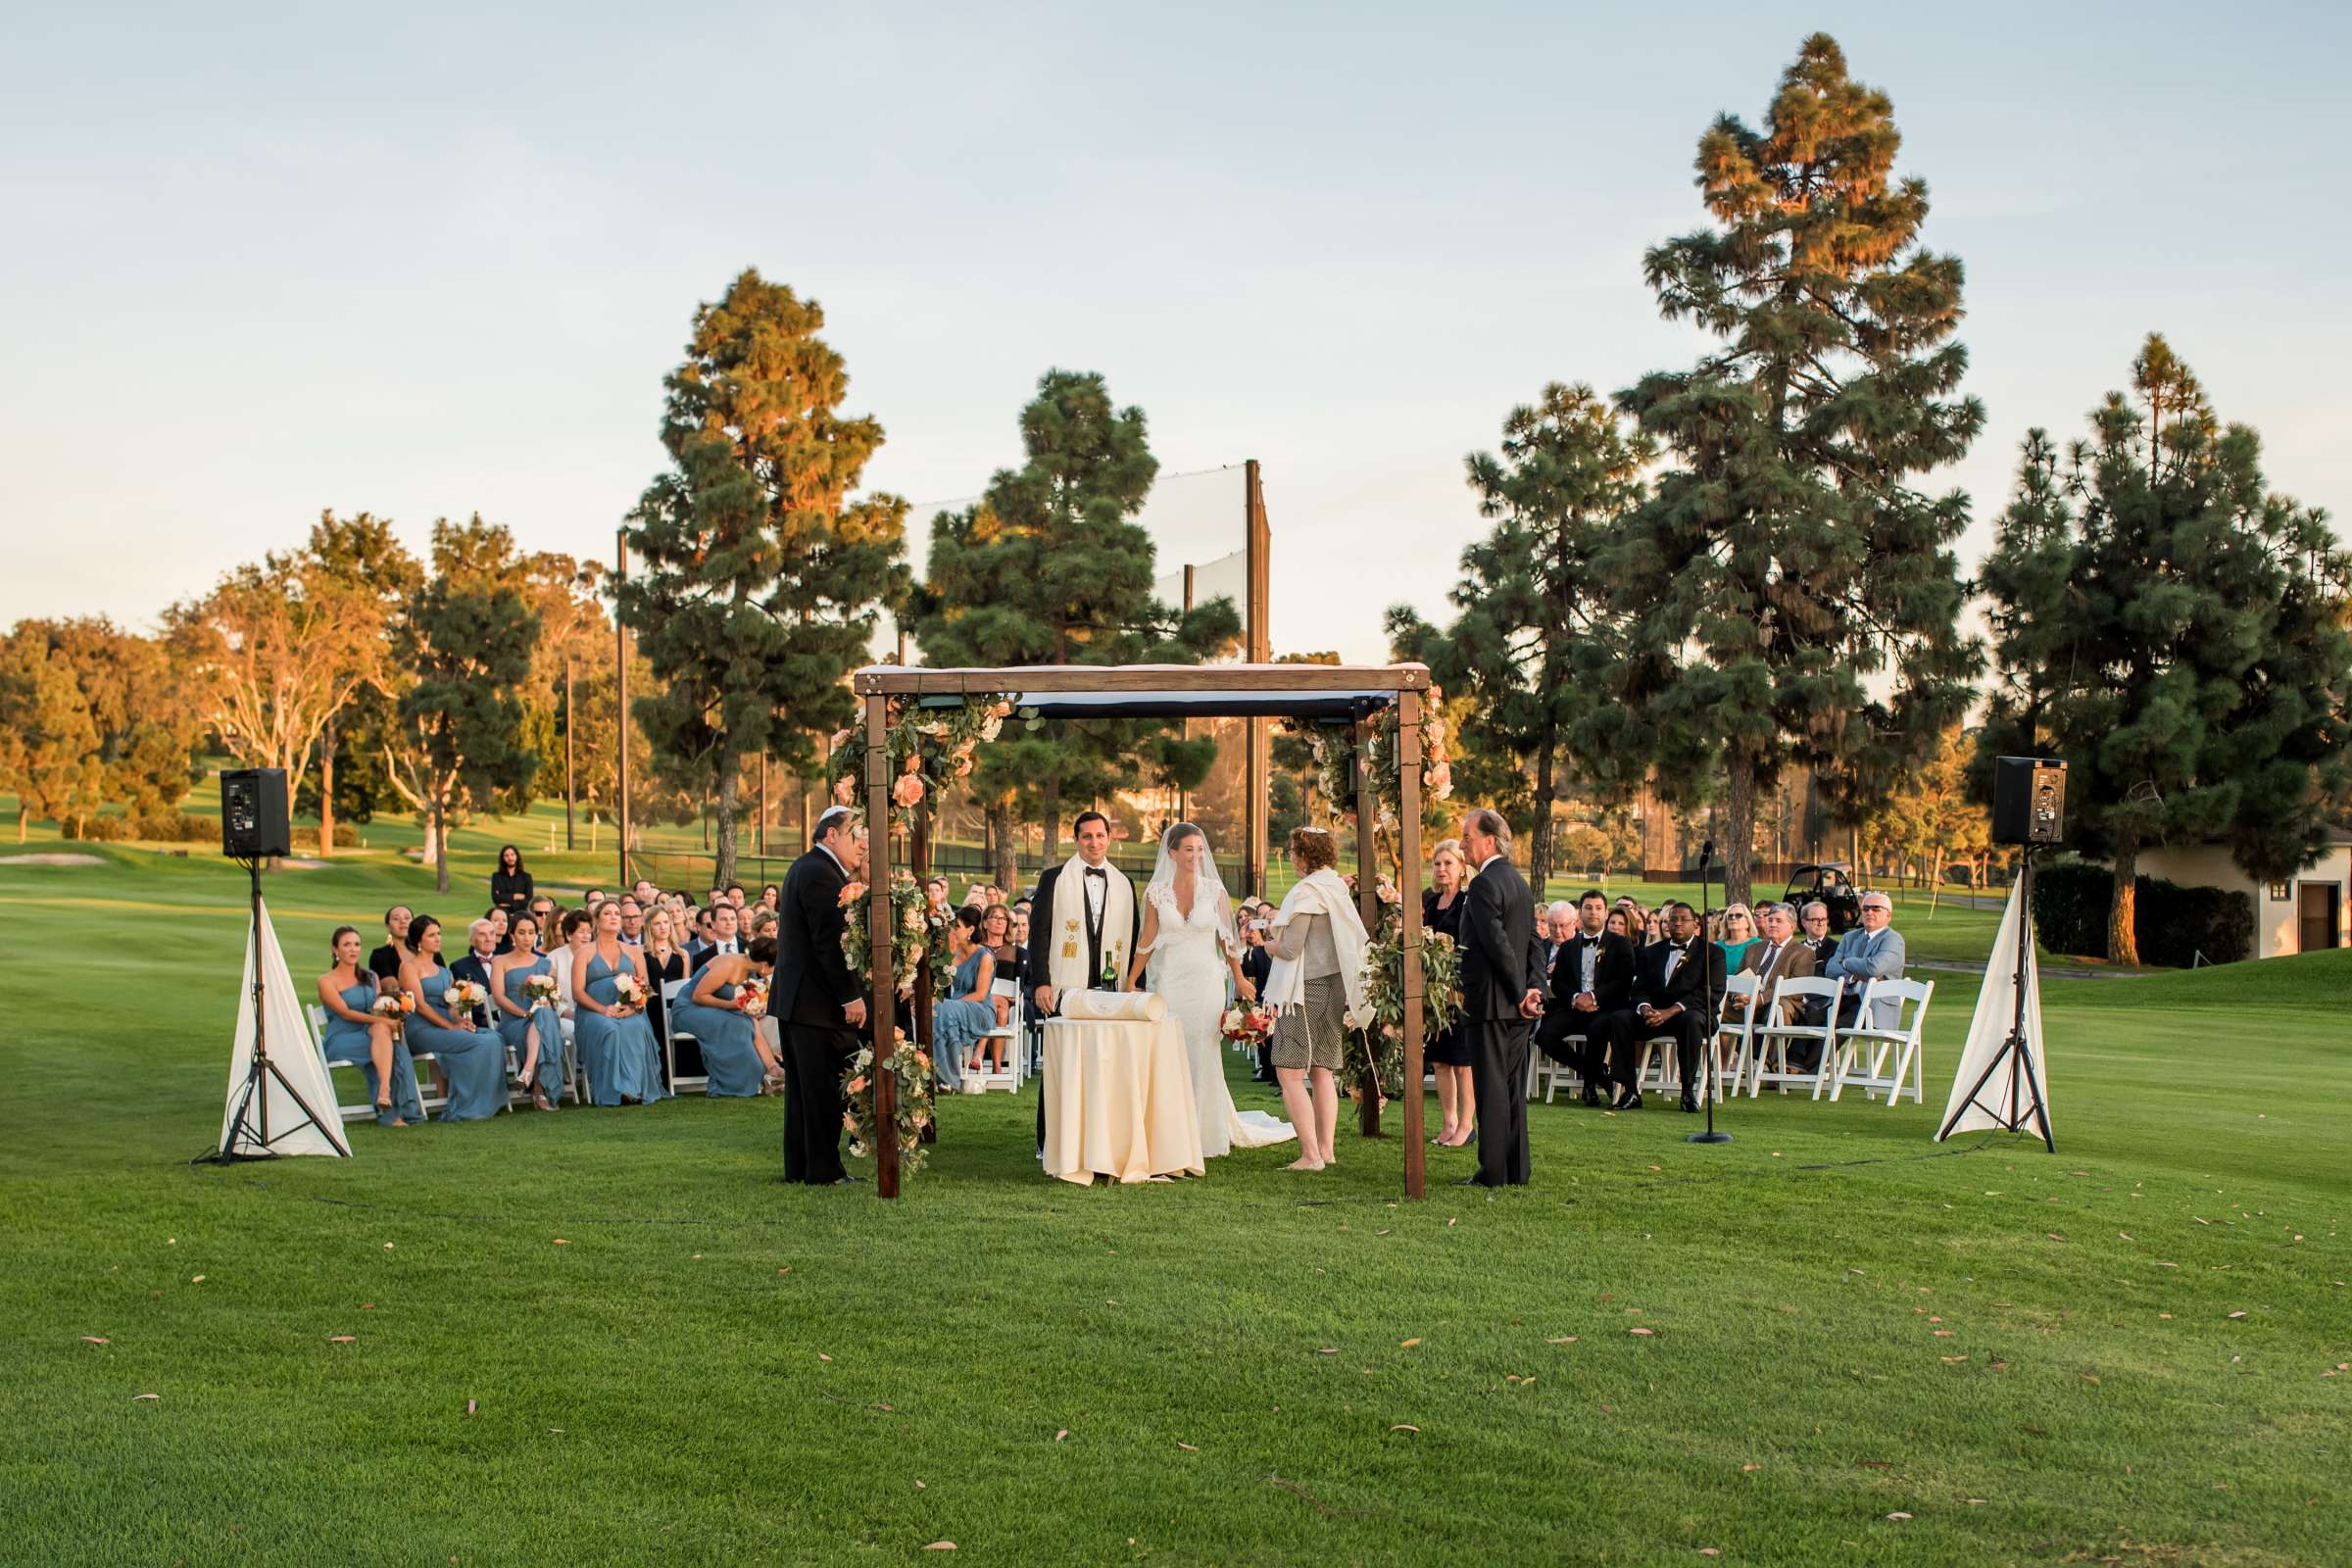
<point x="540" y="989"/>
<point x="629" y="989"/>
<point x="464" y="995"/>
<point x="1247" y="1026"/>
<point x="751" y="998"/>
<point x="395" y="1006"/>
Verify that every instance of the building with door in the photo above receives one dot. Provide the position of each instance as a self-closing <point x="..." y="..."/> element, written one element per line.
<point x="2307" y="913"/>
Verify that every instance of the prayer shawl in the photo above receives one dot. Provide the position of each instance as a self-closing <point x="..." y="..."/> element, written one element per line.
<point x="1323" y="894"/>
<point x="1066" y="949"/>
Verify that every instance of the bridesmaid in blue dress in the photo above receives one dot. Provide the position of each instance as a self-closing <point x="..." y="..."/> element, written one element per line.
<point x="354" y="1033"/>
<point x="474" y="1060"/>
<point x="615" y="1042"/>
<point x="532" y="1032"/>
<point x="711" y="1011"/>
<point x="959" y="1020"/>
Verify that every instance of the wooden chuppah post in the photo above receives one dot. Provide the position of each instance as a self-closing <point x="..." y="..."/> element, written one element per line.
<point x="1408" y="855"/>
<point x="918" y="855"/>
<point x="880" y="1010"/>
<point x="1367" y="905"/>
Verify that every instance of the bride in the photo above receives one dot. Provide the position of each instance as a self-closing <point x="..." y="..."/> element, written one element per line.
<point x="1187" y="950"/>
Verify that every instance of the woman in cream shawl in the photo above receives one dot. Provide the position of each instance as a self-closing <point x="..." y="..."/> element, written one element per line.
<point x="1318" y="978"/>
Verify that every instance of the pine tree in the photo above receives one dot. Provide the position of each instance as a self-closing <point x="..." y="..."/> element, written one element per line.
<point x="1795" y="596"/>
<point x="1051" y="569"/>
<point x="758" y="573"/>
<point x="2175" y="631"/>
<point x="1537" y="634"/>
<point x="467" y="643"/>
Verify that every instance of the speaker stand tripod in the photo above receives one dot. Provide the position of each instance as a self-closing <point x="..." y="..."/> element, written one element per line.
<point x="249" y="1110"/>
<point x="2013" y="1051"/>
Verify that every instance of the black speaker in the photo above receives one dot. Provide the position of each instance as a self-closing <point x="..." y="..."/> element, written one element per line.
<point x="2029" y="799"/>
<point x="254" y="823"/>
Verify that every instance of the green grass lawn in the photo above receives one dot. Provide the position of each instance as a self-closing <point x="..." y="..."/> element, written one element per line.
<point x="616" y="1337"/>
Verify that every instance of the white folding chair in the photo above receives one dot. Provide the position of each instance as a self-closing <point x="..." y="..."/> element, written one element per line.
<point x="364" y="1109"/>
<point x="1891" y="1039"/>
<point x="671" y="1035"/>
<point x="1656" y="1070"/>
<point x="1772" y="1036"/>
<point x="1552" y="1075"/>
<point x="1009" y="1076"/>
<point x="1736" y="1025"/>
<point x="575" y="1072"/>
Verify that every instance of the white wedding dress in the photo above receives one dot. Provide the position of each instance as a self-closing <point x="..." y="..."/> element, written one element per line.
<point x="1187" y="968"/>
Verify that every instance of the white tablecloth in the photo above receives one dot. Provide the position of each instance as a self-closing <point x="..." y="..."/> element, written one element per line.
<point x="1119" y="1101"/>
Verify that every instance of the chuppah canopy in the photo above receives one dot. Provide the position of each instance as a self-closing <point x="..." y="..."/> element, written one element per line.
<point x="1335" y="694"/>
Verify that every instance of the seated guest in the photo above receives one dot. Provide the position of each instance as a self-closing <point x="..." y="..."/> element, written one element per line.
<point x="1013" y="960"/>
<point x="473" y="1059"/>
<point x="735" y="1059"/>
<point x="1621" y="924"/>
<point x="499" y="919"/>
<point x="664" y="962"/>
<point x="705" y="922"/>
<point x="1815" y="923"/>
<point x="970" y="1009"/>
<point x="354" y="1033"/>
<point x="735" y="896"/>
<point x="1872" y="952"/>
<point x="1778" y="955"/>
<point x="1592" y="977"/>
<point x="724" y="938"/>
<point x="934" y="894"/>
<point x="646" y="892"/>
<point x="510" y="885"/>
<point x="1737" y="935"/>
<point x="615" y="1042"/>
<point x="577" y="928"/>
<point x="543" y="916"/>
<point x="591" y="898"/>
<point x="482" y="949"/>
<point x="530" y="1029"/>
<point x="770" y="896"/>
<point x="384" y="961"/>
<point x="1258" y="966"/>
<point x="1671" y="979"/>
<point x="1653" y="927"/>
<point x="632" y="921"/>
<point x="1555" y="929"/>
<point x="718" y="895"/>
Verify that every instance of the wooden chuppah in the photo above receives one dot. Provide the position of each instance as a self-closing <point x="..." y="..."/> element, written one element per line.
<point x="1349" y="692"/>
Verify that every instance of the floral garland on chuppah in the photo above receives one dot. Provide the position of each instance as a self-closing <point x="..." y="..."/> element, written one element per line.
<point x="1335" y="750"/>
<point x="912" y="1068"/>
<point x="930" y="749"/>
<point x="917" y="935"/>
<point x="1380" y="1027"/>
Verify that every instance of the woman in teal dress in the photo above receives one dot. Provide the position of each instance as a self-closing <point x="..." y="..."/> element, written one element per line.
<point x="354" y="1033"/>
<point x="970" y="1011"/>
<point x="474" y="1060"/>
<point x="1738" y="935"/>
<point x="530" y="1030"/>
<point x="617" y="1044"/>
<point x="734" y="1056"/>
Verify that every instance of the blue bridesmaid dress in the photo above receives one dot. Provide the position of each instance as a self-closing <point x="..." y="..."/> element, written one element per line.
<point x="345" y="1041"/>
<point x="515" y="1030"/>
<point x="955" y="1025"/>
<point x="728" y="1039"/>
<point x="619" y="1054"/>
<point x="473" y="1061"/>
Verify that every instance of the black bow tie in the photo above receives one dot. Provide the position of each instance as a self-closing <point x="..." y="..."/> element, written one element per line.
<point x="1096" y="870"/>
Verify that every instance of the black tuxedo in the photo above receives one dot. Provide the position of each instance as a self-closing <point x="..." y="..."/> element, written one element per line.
<point x="813" y="983"/>
<point x="1612" y="992"/>
<point x="1502" y="959"/>
<point x="1042" y="951"/>
<point x="1258" y="966"/>
<point x="1697" y="974"/>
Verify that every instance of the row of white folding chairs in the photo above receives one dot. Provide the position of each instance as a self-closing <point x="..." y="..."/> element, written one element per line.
<point x="576" y="1077"/>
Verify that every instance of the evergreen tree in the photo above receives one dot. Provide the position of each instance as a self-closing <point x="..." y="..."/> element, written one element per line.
<point x="465" y="644"/>
<point x="146" y="734"/>
<point x="1051" y="569"/>
<point x="1537" y="635"/>
<point x="48" y="740"/>
<point x="2177" y="632"/>
<point x="1794" y="596"/>
<point x="758" y="577"/>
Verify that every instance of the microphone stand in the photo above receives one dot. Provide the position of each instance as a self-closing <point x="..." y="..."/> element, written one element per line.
<point x="1709" y="1077"/>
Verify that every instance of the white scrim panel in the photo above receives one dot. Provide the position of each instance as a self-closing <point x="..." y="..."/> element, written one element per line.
<point x="1997" y="1107"/>
<point x="293" y="1051"/>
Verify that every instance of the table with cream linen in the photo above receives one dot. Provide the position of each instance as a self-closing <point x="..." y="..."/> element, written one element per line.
<point x="1118" y="1100"/>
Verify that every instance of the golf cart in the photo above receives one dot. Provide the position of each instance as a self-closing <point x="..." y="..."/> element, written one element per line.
<point x="1831" y="883"/>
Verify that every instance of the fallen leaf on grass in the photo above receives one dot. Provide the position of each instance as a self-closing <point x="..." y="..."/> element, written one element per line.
<point x="563" y="1242"/>
<point x="136" y="1397"/>
<point x="198" y="1280"/>
<point x="1452" y="1223"/>
<point x="1329" y="1349"/>
<point x="1709" y="1551"/>
<point x="340" y="1339"/>
<point x="1188" y="1447"/>
<point x="891" y="1408"/>
<point x="1942" y="1334"/>
<point x="1644" y="1333"/>
<point x="2053" y="1236"/>
<point x="367" y="1307"/>
<point x="1950" y="1360"/>
<point x="918" y="1483"/>
<point x="1657" y="1167"/>
<point x="1063" y="1433"/>
<point x="2089" y="1376"/>
<point x="1404" y="1427"/>
<point x="93" y="1339"/>
<point x="1407" y="1345"/>
<point x="822" y="1356"/>
<point x="941" y="1545"/>
<point x="1565" y="1338"/>
<point x="2237" y="1314"/>
<point x="1746" y="1468"/>
<point x="1899" y="1516"/>
<point x="469" y="1408"/>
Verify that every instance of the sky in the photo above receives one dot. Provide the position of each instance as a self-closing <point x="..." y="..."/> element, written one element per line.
<point x="424" y="262"/>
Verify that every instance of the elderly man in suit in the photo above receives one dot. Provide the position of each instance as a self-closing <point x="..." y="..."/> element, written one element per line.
<point x="820" y="1000"/>
<point x="1502" y="994"/>
<point x="1779" y="957"/>
<point x="1872" y="952"/>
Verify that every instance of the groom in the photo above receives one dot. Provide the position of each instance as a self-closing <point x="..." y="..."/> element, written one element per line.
<point x="1082" y="931"/>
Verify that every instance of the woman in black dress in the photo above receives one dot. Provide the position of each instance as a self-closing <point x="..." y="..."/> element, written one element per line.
<point x="510" y="884"/>
<point x="1449" y="1054"/>
<point x="664" y="962"/>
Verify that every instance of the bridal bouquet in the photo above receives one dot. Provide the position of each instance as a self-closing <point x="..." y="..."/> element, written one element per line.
<point x="1248" y="1026"/>
<point x="629" y="989"/>
<point x="395" y="1006"/>
<point x="541" y="989"/>
<point x="751" y="998"/>
<point x="464" y="995"/>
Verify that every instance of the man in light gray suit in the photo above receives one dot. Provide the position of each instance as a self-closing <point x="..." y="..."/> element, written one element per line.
<point x="1874" y="953"/>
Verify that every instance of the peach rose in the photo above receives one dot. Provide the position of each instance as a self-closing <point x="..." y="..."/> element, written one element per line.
<point x="845" y="790"/>
<point x="908" y="791"/>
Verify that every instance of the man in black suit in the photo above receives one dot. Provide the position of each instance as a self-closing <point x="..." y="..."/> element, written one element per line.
<point x="818" y="998"/>
<point x="1258" y="966"/>
<point x="1502" y="979"/>
<point x="1673" y="981"/>
<point x="481" y="946"/>
<point x="1051" y="950"/>
<point x="1591" y="978"/>
<point x="726" y="935"/>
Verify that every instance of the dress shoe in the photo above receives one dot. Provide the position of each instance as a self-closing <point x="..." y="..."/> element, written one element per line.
<point x="1591" y="1096"/>
<point x="1691" y="1104"/>
<point x="847" y="1181"/>
<point x="1469" y="1181"/>
<point x="1630" y="1100"/>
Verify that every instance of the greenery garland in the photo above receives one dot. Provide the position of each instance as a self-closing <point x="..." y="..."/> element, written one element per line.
<point x="1335" y="748"/>
<point x="912" y="1068"/>
<point x="930" y="749"/>
<point x="1379" y="1028"/>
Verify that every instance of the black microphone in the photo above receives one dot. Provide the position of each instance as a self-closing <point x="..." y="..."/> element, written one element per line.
<point x="1706" y="854"/>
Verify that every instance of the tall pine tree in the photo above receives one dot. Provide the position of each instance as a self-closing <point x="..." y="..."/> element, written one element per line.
<point x="1794" y="594"/>
<point x="1537" y="632"/>
<point x="1051" y="569"/>
<point x="758" y="571"/>
<point x="2175" y="631"/>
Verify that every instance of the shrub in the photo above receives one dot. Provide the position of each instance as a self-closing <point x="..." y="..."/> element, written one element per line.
<point x="163" y="825"/>
<point x="97" y="829"/>
<point x="2173" y="924"/>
